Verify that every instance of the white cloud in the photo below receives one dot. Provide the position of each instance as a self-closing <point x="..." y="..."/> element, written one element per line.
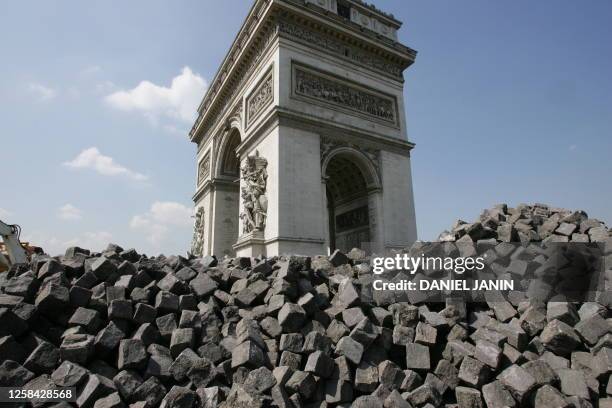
<point x="53" y="245"/>
<point x="163" y="217"/>
<point x="69" y="212"/>
<point x="4" y="214"/>
<point x="92" y="159"/>
<point x="43" y="93"/>
<point x="179" y="101"/>
<point x="171" y="213"/>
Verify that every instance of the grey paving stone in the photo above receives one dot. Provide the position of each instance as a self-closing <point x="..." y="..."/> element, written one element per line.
<point x="468" y="397"/>
<point x="559" y="337"/>
<point x="496" y="395"/>
<point x="417" y="357"/>
<point x="548" y="396"/>
<point x="518" y="381"/>
<point x="350" y="349"/>
<point x="132" y="355"/>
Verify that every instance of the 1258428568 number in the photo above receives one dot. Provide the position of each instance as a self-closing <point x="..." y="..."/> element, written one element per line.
<point x="15" y="394"/>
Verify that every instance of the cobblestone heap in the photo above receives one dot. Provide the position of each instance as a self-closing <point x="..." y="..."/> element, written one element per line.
<point x="128" y="330"/>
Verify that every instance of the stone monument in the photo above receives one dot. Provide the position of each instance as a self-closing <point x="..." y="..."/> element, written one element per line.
<point x="302" y="142"/>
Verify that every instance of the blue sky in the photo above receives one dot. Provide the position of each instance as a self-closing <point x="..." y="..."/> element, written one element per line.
<point x="507" y="102"/>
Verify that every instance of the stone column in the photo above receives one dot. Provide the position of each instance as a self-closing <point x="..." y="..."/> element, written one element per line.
<point x="326" y="220"/>
<point x="225" y="200"/>
<point x="375" y="209"/>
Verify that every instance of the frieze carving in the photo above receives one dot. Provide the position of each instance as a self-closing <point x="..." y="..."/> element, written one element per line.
<point x="340" y="49"/>
<point x="261" y="97"/>
<point x="254" y="180"/>
<point x="310" y="36"/>
<point x="197" y="243"/>
<point x="204" y="168"/>
<point x="328" y="145"/>
<point x="320" y="87"/>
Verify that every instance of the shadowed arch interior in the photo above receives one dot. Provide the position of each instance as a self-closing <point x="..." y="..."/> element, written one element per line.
<point x="345" y="180"/>
<point x="230" y="163"/>
<point x="228" y="195"/>
<point x="347" y="201"/>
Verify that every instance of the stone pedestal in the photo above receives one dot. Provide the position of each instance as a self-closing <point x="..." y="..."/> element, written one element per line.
<point x="251" y="245"/>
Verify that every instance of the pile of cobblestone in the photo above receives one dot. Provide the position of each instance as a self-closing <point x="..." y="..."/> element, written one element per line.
<point x="294" y="331"/>
<point x="530" y="223"/>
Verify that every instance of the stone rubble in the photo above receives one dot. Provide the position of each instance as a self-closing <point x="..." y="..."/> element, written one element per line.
<point x="294" y="331"/>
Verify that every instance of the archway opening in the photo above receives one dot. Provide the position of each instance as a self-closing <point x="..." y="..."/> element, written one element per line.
<point x="347" y="204"/>
<point x="230" y="163"/>
<point x="229" y="199"/>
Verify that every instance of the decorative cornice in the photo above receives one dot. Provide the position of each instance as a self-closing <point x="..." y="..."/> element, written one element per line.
<point x="295" y="239"/>
<point x="215" y="183"/>
<point x="315" y="124"/>
<point x="330" y="43"/>
<point x="354" y="30"/>
<point x="285" y="117"/>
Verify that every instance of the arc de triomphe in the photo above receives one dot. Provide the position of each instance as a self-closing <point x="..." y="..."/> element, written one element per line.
<point x="302" y="142"/>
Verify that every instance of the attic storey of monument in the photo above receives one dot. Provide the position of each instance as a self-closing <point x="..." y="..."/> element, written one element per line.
<point x="302" y="142"/>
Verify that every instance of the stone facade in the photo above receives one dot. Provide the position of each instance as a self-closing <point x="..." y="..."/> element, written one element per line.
<point x="302" y="143"/>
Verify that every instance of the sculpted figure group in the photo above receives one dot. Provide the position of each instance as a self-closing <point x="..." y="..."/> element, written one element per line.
<point x="255" y="203"/>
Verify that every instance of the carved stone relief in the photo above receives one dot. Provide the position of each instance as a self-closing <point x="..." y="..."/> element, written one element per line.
<point x="334" y="91"/>
<point x="197" y="243"/>
<point x="235" y="114"/>
<point x="254" y="179"/>
<point x="260" y="98"/>
<point x="204" y="168"/>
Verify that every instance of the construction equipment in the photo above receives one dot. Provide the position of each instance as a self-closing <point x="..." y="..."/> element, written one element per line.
<point x="15" y="252"/>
